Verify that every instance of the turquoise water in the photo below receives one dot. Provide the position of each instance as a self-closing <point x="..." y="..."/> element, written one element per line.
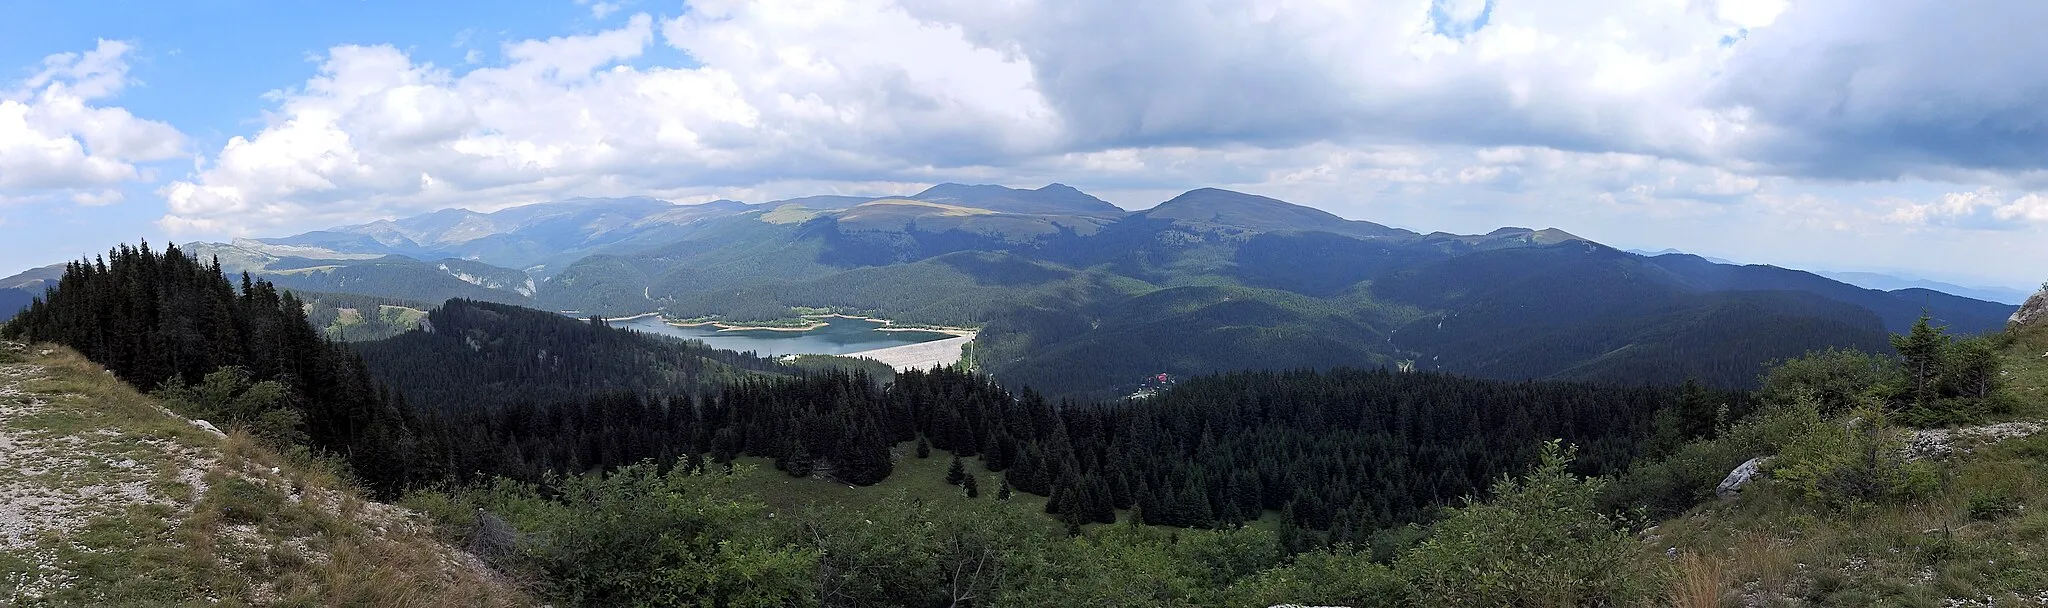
<point x="838" y="337"/>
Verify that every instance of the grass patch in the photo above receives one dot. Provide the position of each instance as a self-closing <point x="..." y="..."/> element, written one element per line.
<point x="166" y="514"/>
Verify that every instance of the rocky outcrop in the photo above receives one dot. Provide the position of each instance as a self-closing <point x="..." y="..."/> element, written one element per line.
<point x="1938" y="443"/>
<point x="1750" y="470"/>
<point x="2032" y="312"/>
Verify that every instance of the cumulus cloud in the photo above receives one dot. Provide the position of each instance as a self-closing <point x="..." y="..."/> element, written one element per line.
<point x="1646" y="107"/>
<point x="56" y="139"/>
<point x="779" y="93"/>
<point x="1985" y="208"/>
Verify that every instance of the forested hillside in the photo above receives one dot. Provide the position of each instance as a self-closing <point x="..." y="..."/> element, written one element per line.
<point x="469" y="355"/>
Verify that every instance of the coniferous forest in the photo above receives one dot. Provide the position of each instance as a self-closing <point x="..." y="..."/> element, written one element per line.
<point x="540" y="407"/>
<point x="160" y="320"/>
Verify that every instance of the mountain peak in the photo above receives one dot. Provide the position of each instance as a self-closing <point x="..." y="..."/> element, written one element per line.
<point x="1228" y="208"/>
<point x="1052" y="199"/>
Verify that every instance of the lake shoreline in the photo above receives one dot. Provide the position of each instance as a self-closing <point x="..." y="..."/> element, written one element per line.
<point x="815" y="323"/>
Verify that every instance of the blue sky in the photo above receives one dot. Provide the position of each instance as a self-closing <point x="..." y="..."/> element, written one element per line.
<point x="1828" y="134"/>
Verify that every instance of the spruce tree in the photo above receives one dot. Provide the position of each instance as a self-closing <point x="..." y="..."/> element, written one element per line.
<point x="1922" y="349"/>
<point x="1003" y="491"/>
<point x="973" y="487"/>
<point x="924" y="447"/>
<point x="957" y="473"/>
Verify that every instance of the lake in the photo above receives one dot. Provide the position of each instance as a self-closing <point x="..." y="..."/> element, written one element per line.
<point x="839" y="336"/>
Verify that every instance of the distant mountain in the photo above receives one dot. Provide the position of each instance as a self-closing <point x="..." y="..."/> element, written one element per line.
<point x="823" y="201"/>
<point x="12" y="301"/>
<point x="1211" y="209"/>
<point x="1885" y="282"/>
<point x="17" y="291"/>
<point x="1897" y="309"/>
<point x="539" y="237"/>
<point x="1077" y="297"/>
<point x="1670" y="251"/>
<point x="1053" y="199"/>
<point x="393" y="276"/>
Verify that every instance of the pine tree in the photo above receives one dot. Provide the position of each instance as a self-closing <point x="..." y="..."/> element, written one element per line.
<point x="1922" y="349"/>
<point x="957" y="473"/>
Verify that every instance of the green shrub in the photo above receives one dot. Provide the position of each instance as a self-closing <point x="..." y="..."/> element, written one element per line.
<point x="1992" y="505"/>
<point x="1856" y="462"/>
<point x="1541" y="541"/>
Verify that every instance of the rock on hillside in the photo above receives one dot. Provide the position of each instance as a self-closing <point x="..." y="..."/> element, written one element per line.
<point x="2034" y="311"/>
<point x="107" y="499"/>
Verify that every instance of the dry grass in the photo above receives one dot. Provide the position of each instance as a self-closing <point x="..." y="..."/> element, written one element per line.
<point x="226" y="521"/>
<point x="1701" y="582"/>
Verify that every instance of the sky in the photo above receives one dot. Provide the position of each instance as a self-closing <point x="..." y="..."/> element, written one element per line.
<point x="1901" y="136"/>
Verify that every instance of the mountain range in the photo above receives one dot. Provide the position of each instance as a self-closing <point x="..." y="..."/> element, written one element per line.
<point x="1078" y="297"/>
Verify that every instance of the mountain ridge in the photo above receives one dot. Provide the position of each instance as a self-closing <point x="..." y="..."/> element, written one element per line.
<point x="1062" y="282"/>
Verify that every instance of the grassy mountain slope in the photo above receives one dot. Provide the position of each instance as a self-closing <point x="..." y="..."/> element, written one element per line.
<point x="109" y="500"/>
<point x="359" y="318"/>
<point x="1963" y="524"/>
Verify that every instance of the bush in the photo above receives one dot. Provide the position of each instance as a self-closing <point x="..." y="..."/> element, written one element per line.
<point x="1689" y="476"/>
<point x="1861" y="461"/>
<point x="1992" y="505"/>
<point x="1541" y="541"/>
<point x="1837" y="380"/>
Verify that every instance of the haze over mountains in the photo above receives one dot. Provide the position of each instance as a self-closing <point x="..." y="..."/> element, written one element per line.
<point x="1077" y="296"/>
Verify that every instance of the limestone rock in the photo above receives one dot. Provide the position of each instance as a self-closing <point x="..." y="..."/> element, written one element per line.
<point x="1747" y="472"/>
<point x="2034" y="311"/>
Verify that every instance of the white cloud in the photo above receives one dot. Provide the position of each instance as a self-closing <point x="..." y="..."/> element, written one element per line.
<point x="783" y="92"/>
<point x="599" y="9"/>
<point x="1982" y="209"/>
<point x="57" y="139"/>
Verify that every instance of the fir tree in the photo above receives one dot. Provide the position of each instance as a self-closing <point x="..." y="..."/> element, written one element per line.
<point x="956" y="474"/>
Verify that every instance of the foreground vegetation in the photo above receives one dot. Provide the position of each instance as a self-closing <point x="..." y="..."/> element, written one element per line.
<point x="126" y="505"/>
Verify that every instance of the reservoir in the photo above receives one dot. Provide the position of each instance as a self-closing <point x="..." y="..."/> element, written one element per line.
<point x="839" y="336"/>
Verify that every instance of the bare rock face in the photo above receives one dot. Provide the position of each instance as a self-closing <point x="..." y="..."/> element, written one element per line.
<point x="2034" y="311"/>
<point x="1749" y="471"/>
